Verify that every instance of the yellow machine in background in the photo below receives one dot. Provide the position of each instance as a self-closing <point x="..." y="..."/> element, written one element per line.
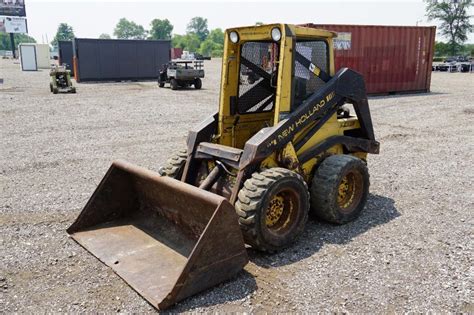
<point x="281" y="146"/>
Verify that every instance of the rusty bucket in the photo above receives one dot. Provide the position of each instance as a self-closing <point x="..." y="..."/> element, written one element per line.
<point x="168" y="240"/>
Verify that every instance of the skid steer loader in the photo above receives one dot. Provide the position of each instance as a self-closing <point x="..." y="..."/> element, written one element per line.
<point x="281" y="146"/>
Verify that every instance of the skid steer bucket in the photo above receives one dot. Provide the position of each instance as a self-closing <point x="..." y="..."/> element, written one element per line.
<point x="168" y="240"/>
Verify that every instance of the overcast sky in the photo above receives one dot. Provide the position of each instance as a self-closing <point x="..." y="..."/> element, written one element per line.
<point x="91" y="18"/>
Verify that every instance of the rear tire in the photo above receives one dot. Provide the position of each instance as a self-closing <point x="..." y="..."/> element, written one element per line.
<point x="339" y="189"/>
<point x="55" y="90"/>
<point x="161" y="84"/>
<point x="197" y="83"/>
<point x="273" y="209"/>
<point x="73" y="90"/>
<point x="175" y="165"/>
<point x="174" y="84"/>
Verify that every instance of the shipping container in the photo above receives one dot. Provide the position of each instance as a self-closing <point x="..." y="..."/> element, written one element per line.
<point x="392" y="59"/>
<point x="176" y="53"/>
<point x="66" y="54"/>
<point x="119" y="59"/>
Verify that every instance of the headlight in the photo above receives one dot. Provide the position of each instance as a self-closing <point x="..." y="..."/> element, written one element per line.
<point x="234" y="37"/>
<point x="276" y="34"/>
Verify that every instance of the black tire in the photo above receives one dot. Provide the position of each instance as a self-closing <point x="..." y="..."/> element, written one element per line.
<point x="269" y="228"/>
<point x="174" y="84"/>
<point x="161" y="84"/>
<point x="175" y="165"/>
<point x="55" y="90"/>
<point x="339" y="189"/>
<point x="51" y="87"/>
<point x="73" y="90"/>
<point x="197" y="83"/>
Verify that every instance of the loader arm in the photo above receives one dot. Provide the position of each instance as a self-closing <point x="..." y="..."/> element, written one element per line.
<point x="347" y="86"/>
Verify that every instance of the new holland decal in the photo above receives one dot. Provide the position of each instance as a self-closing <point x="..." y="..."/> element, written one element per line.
<point x="300" y="121"/>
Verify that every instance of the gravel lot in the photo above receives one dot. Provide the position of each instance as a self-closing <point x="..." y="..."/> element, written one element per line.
<point x="411" y="250"/>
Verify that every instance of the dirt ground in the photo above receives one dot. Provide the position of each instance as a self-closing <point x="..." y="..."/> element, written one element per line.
<point x="411" y="250"/>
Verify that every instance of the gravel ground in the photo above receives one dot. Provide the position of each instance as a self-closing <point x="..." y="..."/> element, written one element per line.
<point x="411" y="250"/>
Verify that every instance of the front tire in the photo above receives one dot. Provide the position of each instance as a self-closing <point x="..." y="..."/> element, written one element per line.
<point x="175" y="165"/>
<point x="174" y="84"/>
<point x="339" y="189"/>
<point x="273" y="209"/>
<point x="197" y="84"/>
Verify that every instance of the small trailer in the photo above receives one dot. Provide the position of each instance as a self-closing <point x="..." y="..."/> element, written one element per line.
<point x="182" y="73"/>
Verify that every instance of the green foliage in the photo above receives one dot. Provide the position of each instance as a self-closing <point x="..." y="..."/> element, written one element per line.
<point x="19" y="38"/>
<point x="64" y="32"/>
<point x="178" y="41"/>
<point x="199" y="39"/>
<point x="160" y="29"/>
<point x="104" y="36"/>
<point x="213" y="45"/>
<point x="217" y="36"/>
<point x="443" y="50"/>
<point x="217" y="53"/>
<point x="198" y="26"/>
<point x="454" y="18"/>
<point x="190" y="42"/>
<point x="468" y="49"/>
<point x="126" y="29"/>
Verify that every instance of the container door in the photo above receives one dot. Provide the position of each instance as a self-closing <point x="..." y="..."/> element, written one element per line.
<point x="28" y="58"/>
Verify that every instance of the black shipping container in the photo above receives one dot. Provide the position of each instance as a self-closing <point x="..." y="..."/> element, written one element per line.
<point x="119" y="59"/>
<point x="66" y="55"/>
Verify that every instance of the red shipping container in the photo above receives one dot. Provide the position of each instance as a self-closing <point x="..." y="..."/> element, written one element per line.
<point x="392" y="59"/>
<point x="176" y="53"/>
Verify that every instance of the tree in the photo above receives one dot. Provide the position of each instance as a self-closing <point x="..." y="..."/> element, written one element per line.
<point x="441" y="49"/>
<point x="192" y="42"/>
<point x="178" y="41"/>
<point x="189" y="42"/>
<point x="104" y="36"/>
<point x="126" y="29"/>
<point x="160" y="29"/>
<point x="214" y="44"/>
<point x="217" y="36"/>
<point x="64" y="32"/>
<point x="454" y="18"/>
<point x="468" y="50"/>
<point x="19" y="38"/>
<point x="207" y="47"/>
<point x="198" y="26"/>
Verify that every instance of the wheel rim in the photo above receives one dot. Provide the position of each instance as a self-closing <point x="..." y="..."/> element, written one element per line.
<point x="350" y="191"/>
<point x="281" y="211"/>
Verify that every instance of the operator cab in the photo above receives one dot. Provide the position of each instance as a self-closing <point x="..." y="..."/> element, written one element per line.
<point x="266" y="76"/>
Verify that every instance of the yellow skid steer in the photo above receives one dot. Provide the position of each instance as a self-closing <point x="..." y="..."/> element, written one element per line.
<point x="282" y="146"/>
